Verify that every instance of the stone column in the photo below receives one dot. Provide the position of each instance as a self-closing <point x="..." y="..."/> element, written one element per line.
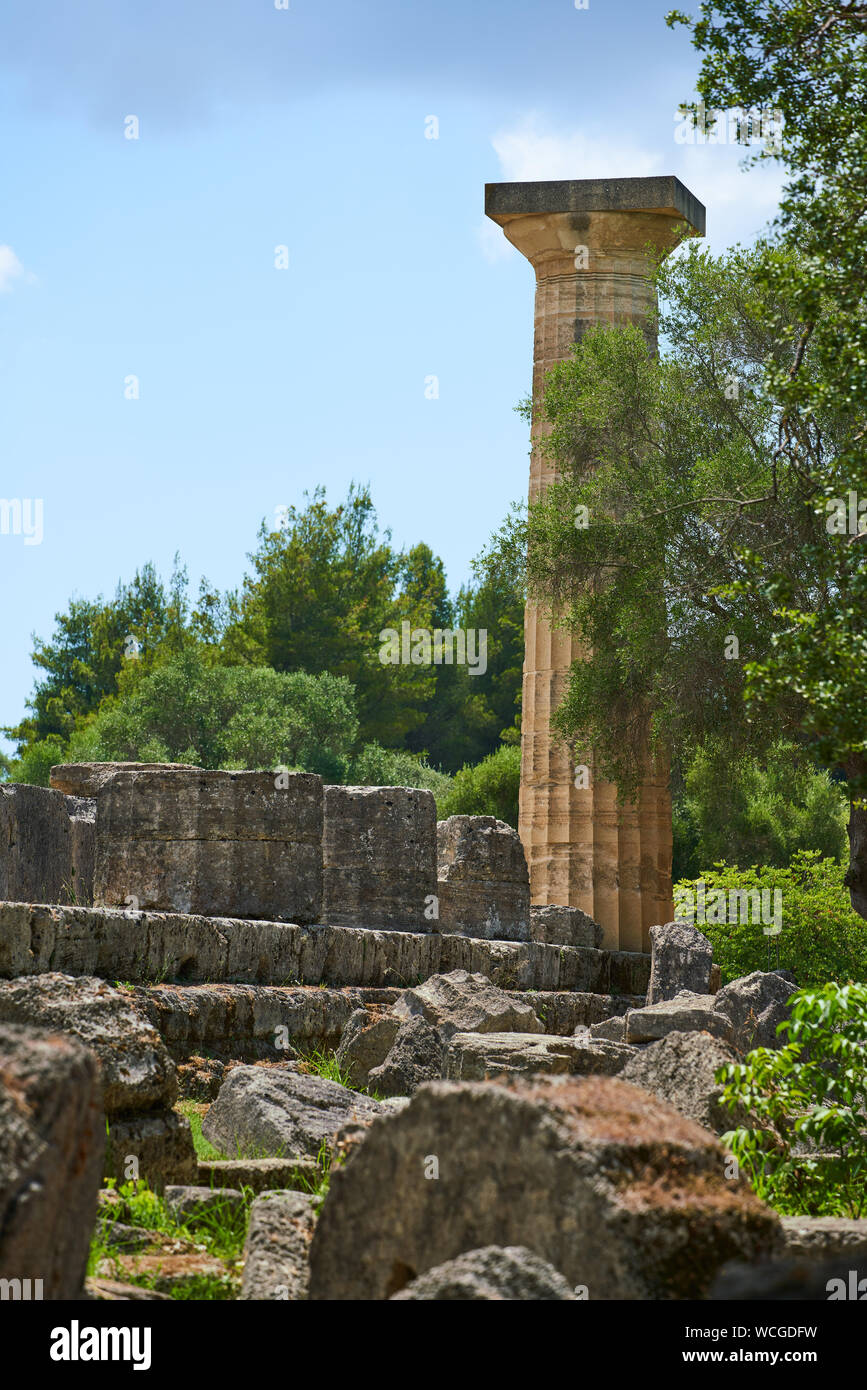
<point x="587" y="241"/>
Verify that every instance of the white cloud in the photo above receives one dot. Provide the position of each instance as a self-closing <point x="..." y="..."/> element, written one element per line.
<point x="739" y="202"/>
<point x="533" y="150"/>
<point x="11" y="269"/>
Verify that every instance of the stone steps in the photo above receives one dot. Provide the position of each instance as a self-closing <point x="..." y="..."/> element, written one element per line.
<point x="239" y="1022"/>
<point x="143" y="948"/>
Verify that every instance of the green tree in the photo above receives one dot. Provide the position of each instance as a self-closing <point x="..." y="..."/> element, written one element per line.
<point x="672" y="463"/>
<point x="807" y="59"/>
<point x="489" y="788"/>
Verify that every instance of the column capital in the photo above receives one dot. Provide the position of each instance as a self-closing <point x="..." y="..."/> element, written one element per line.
<point x="546" y="221"/>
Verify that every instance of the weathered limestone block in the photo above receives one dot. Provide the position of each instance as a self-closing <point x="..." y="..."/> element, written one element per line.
<point x="379" y="858"/>
<point x="86" y="779"/>
<point x="260" y="1174"/>
<point x="756" y="1005"/>
<point x="629" y="972"/>
<point x="490" y="1275"/>
<point x="483" y="885"/>
<point x="687" y="1013"/>
<point x="159" y="1141"/>
<point x="564" y="926"/>
<point x="217" y="843"/>
<point x="277" y="1247"/>
<point x="681" y="959"/>
<point x="188" y="1202"/>
<point x="281" y="1113"/>
<point x="563" y="1012"/>
<point x="246" y="1022"/>
<point x="463" y="1003"/>
<point x="52" y="1135"/>
<point x="35" y="845"/>
<point x="82" y="820"/>
<point x="609" y="1185"/>
<point x="826" y="1238"/>
<point x="365" y="1043"/>
<point x="415" y="1056"/>
<point x="479" y="1056"/>
<point x="613" y="1029"/>
<point x="680" y="1069"/>
<point x="137" y="1071"/>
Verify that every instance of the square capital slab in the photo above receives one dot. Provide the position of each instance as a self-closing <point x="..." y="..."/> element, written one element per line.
<point x="663" y="194"/>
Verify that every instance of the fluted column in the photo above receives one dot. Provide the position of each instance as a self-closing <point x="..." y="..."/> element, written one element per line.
<point x="589" y="242"/>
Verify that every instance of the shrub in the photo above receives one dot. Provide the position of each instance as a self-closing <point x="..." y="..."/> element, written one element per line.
<point x="807" y="1154"/>
<point x="488" y="788"/>
<point x="822" y="937"/>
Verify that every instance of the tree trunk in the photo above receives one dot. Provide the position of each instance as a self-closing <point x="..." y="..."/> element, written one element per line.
<point x="856" y="874"/>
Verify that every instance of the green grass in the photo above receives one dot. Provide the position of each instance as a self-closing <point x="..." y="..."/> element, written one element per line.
<point x="195" y="1112"/>
<point x="219" y="1232"/>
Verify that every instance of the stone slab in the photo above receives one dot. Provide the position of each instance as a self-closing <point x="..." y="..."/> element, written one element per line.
<point x="142" y="948"/>
<point x="479" y="1056"/>
<point x="86" y="779"/>
<point x="660" y="193"/>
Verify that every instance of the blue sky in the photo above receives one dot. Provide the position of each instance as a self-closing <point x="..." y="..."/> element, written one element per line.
<point x="155" y="258"/>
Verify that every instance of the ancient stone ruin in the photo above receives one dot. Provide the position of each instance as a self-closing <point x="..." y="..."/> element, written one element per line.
<point x="169" y="934"/>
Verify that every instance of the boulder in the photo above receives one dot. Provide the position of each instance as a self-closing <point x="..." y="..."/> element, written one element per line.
<point x="483" y="885"/>
<point x="35" y="845"/>
<point x="463" y="1003"/>
<point x="680" y="1069"/>
<point x="687" y="1013"/>
<point x="272" y="1112"/>
<point x="137" y="1072"/>
<point x="681" y="959"/>
<point x="222" y="844"/>
<point x="365" y="1043"/>
<point x="277" y="1247"/>
<point x="415" y="1056"/>
<point x="564" y="926"/>
<point x="52" y="1135"/>
<point x="379" y="858"/>
<point x="612" y="1029"/>
<point x="477" y="1056"/>
<point x="491" y="1275"/>
<point x="754" y="1006"/>
<point x="610" y="1186"/>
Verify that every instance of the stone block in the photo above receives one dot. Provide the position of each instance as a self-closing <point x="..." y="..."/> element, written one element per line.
<point x="688" y="1013"/>
<point x="161" y="1144"/>
<point x="52" y="1135"/>
<point x="480" y="1056"/>
<point x="379" y="858"/>
<point x="86" y="779"/>
<point x="564" y="926"/>
<point x="277" y="1247"/>
<point x="35" y="845"/>
<point x="82" y="820"/>
<point x="609" y="1185"/>
<point x="136" y="1069"/>
<point x="681" y="958"/>
<point x="483" y="885"/>
<point x="218" y="844"/>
